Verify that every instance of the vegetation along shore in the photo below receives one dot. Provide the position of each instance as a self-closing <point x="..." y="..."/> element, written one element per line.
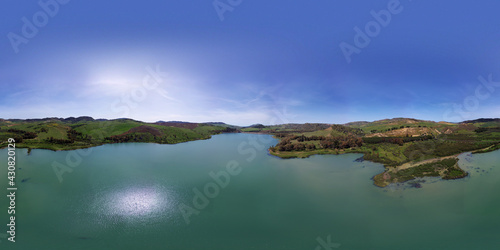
<point x="408" y="148"/>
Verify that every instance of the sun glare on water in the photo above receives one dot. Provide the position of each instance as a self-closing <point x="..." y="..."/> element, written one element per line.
<point x="135" y="202"/>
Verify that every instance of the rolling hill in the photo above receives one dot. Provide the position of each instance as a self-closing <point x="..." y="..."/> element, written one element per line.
<point x="408" y="148"/>
<point x="83" y="132"/>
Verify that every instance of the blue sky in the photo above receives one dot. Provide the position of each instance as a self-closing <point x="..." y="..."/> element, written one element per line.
<point x="265" y="62"/>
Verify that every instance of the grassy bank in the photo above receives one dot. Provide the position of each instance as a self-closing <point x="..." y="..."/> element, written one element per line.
<point x="408" y="148"/>
<point x="84" y="132"/>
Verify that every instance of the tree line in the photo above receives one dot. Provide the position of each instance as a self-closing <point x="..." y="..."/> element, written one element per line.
<point x="23" y="134"/>
<point x="72" y="135"/>
<point x="337" y="142"/>
<point x="396" y="140"/>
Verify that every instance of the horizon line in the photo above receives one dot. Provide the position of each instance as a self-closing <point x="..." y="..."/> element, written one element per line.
<point x="124" y="118"/>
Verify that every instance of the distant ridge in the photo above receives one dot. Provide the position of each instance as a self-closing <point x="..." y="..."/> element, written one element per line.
<point x="387" y="121"/>
<point x="188" y="124"/>
<point x="480" y="120"/>
<point x="178" y="124"/>
<point x="69" y="119"/>
<point x="172" y="122"/>
<point x="359" y="123"/>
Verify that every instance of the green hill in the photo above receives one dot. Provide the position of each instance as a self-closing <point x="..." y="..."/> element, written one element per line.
<point x="83" y="132"/>
<point x="408" y="148"/>
<point x="394" y="143"/>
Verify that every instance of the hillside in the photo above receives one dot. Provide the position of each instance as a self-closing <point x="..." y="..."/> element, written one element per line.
<point x="83" y="132"/>
<point x="408" y="148"/>
<point x="394" y="142"/>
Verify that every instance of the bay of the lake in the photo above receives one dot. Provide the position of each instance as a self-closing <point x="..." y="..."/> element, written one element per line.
<point x="229" y="193"/>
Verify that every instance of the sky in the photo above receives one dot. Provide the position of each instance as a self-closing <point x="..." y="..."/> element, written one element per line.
<point x="244" y="62"/>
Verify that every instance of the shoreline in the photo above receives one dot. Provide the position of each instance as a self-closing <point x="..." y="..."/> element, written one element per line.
<point x="101" y="144"/>
<point x="380" y="180"/>
<point x="22" y="145"/>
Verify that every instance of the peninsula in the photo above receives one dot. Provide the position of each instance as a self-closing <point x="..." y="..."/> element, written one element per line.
<point x="408" y="148"/>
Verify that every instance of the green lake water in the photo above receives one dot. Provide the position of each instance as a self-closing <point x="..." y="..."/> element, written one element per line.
<point x="129" y="196"/>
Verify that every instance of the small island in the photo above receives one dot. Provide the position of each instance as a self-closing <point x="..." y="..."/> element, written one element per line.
<point x="408" y="148"/>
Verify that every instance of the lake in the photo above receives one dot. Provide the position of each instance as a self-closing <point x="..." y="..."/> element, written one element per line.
<point x="229" y="193"/>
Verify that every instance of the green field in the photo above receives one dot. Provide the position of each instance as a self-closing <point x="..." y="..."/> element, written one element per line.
<point x="84" y="132"/>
